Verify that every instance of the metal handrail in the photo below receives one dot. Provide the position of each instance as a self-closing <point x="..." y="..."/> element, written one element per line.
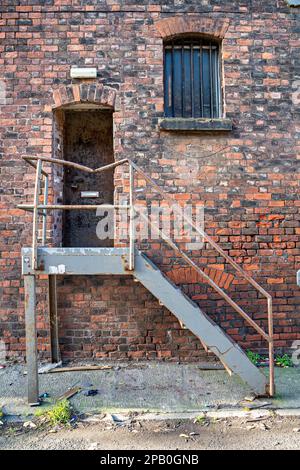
<point x="267" y="336"/>
<point x="35" y="207"/>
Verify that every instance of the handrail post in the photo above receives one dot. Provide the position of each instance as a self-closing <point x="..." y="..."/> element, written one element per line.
<point x="131" y="218"/>
<point x="45" y="212"/>
<point x="35" y="213"/>
<point x="271" y="348"/>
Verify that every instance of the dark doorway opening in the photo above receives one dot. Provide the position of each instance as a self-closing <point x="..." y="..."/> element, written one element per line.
<point x="88" y="140"/>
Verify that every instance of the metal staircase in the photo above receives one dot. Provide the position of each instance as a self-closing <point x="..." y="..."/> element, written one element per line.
<point x="38" y="260"/>
<point x="190" y="315"/>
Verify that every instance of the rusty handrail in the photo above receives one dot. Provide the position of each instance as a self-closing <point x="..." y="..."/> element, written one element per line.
<point x="204" y="234"/>
<point x="132" y="166"/>
<point x="209" y="280"/>
<point x="267" y="336"/>
<point x="87" y="169"/>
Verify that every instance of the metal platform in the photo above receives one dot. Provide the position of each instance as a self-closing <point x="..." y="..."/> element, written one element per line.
<point x="74" y="261"/>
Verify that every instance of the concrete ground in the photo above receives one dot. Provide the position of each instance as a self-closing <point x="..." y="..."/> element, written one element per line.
<point x="149" y="386"/>
<point x="152" y="406"/>
<point x="177" y="434"/>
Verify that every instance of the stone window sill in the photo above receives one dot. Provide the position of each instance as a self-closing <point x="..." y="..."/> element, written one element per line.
<point x="195" y="125"/>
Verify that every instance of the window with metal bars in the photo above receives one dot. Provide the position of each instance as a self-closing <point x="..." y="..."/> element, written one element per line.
<point x="192" y="79"/>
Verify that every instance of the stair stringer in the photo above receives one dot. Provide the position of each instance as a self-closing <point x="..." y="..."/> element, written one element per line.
<point x="198" y="323"/>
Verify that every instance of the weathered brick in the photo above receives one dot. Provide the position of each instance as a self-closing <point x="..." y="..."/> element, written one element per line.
<point x="246" y="180"/>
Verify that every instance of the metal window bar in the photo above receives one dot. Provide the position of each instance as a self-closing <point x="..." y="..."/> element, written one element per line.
<point x="192" y="79"/>
<point x="35" y="207"/>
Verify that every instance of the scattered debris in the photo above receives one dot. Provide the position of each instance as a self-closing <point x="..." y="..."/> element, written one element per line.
<point x="250" y="398"/>
<point x="186" y="436"/>
<point x="90" y="393"/>
<point x="69" y="393"/>
<point x="47" y="368"/>
<point x="210" y="366"/>
<point x="259" y="418"/>
<point x="73" y="420"/>
<point x="252" y="426"/>
<point x="119" y="420"/>
<point x="78" y="368"/>
<point x="253" y="406"/>
<point x="29" y="424"/>
<point x="264" y="363"/>
<point x="264" y="426"/>
<point x="94" y="418"/>
<point x="93" y="446"/>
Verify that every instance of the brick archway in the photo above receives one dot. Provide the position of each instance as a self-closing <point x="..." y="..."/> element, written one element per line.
<point x="91" y="93"/>
<point x="177" y="25"/>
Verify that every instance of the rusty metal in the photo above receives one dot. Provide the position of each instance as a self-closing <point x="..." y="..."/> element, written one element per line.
<point x="27" y="159"/>
<point x="267" y="336"/>
<point x="208" y="279"/>
<point x="45" y="207"/>
<point x="111" y="165"/>
<point x="87" y="169"/>
<point x="57" y="161"/>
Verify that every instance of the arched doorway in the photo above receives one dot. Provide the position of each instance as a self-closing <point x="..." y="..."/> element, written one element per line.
<point x="83" y="134"/>
<point x="88" y="140"/>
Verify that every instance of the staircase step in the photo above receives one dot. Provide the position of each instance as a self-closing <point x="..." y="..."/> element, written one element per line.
<point x="189" y="314"/>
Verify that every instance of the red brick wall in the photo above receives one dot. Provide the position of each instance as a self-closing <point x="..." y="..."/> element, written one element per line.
<point x="250" y="190"/>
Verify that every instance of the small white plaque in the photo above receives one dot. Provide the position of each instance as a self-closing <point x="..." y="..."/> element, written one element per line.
<point x="89" y="193"/>
<point x="83" y="72"/>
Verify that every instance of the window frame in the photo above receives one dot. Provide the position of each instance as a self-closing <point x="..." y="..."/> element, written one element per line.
<point x="192" y="43"/>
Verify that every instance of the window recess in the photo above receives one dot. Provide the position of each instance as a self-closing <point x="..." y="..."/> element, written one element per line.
<point x="192" y="79"/>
